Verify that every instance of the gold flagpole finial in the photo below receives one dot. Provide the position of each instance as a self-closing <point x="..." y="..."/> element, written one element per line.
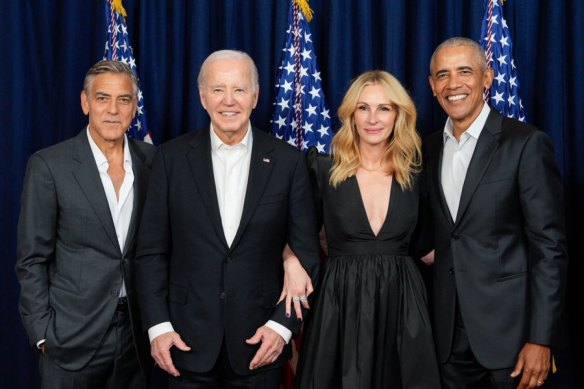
<point x="305" y="8"/>
<point x="119" y="8"/>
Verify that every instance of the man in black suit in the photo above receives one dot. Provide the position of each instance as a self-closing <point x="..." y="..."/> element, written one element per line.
<point x="500" y="252"/>
<point x="80" y="211"/>
<point x="221" y="205"/>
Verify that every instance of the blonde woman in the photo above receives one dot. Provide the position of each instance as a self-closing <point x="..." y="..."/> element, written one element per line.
<point x="370" y="326"/>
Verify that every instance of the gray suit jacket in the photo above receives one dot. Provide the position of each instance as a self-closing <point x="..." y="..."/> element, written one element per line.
<point x="69" y="264"/>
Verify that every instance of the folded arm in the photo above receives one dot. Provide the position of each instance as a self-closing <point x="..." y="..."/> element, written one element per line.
<point x="302" y="237"/>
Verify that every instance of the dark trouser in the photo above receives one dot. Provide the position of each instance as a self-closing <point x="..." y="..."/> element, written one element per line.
<point x="463" y="371"/>
<point x="114" y="365"/>
<point x="222" y="376"/>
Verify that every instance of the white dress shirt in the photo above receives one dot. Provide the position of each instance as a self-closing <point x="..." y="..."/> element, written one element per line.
<point x="230" y="171"/>
<point x="456" y="158"/>
<point x="121" y="205"/>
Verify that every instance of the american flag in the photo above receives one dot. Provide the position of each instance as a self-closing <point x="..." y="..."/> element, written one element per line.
<point x="301" y="117"/>
<point x="496" y="40"/>
<point x="118" y="48"/>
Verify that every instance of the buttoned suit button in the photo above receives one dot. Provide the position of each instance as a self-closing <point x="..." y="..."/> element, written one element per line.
<point x="222" y="295"/>
<point x="228" y="260"/>
<point x="455" y="237"/>
<point x="451" y="271"/>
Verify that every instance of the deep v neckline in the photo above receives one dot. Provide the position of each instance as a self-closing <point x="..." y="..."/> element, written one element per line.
<point x="364" y="210"/>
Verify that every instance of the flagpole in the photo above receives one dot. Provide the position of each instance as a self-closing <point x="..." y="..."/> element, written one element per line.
<point x="297" y="84"/>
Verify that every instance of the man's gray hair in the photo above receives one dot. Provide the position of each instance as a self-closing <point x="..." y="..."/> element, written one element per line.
<point x="109" y="66"/>
<point x="461" y="41"/>
<point x="229" y="55"/>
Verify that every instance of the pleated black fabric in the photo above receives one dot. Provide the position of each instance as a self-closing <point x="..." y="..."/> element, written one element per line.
<point x="370" y="326"/>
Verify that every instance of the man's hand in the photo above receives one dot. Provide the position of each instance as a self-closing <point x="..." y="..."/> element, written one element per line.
<point x="160" y="350"/>
<point x="534" y="361"/>
<point x="270" y="349"/>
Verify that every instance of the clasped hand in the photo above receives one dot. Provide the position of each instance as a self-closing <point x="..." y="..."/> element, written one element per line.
<point x="270" y="349"/>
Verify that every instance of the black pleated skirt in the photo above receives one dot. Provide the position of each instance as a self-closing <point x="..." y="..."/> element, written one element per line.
<point x="369" y="328"/>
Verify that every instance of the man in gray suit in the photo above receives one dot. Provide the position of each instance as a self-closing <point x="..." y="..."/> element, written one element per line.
<point x="80" y="208"/>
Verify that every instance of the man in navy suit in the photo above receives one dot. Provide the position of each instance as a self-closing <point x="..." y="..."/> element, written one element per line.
<point x="221" y="205"/>
<point x="80" y="211"/>
<point x="500" y="252"/>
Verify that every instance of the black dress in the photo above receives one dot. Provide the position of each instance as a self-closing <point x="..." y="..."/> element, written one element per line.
<point x="370" y="326"/>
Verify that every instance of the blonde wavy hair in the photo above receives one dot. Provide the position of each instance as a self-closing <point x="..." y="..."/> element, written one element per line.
<point x="404" y="147"/>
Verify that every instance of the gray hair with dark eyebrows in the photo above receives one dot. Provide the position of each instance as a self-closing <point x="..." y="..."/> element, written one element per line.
<point x="229" y="55"/>
<point x="462" y="41"/>
<point x="109" y="66"/>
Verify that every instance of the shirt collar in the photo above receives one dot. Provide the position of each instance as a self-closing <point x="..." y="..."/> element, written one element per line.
<point x="217" y="143"/>
<point x="100" y="159"/>
<point x="475" y="128"/>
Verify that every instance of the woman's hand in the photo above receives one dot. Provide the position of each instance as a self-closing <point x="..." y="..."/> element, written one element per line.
<point x="297" y="284"/>
<point x="428" y="259"/>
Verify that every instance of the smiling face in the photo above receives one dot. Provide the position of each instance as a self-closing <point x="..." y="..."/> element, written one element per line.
<point x="457" y="80"/>
<point x="229" y="94"/>
<point x="374" y="115"/>
<point x="111" y="106"/>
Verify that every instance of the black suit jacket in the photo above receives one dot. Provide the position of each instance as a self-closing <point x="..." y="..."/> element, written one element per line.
<point x="504" y="258"/>
<point x="69" y="264"/>
<point x="187" y="273"/>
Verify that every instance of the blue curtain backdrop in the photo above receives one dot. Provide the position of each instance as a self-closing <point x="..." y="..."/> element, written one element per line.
<point x="48" y="45"/>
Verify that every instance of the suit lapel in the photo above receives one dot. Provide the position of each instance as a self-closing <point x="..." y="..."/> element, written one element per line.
<point x="487" y="144"/>
<point x="87" y="176"/>
<point x="139" y="187"/>
<point x="437" y="149"/>
<point x="260" y="169"/>
<point x="201" y="165"/>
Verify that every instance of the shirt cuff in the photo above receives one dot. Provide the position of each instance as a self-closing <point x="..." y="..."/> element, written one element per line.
<point x="40" y="343"/>
<point x="159" y="329"/>
<point x="284" y="332"/>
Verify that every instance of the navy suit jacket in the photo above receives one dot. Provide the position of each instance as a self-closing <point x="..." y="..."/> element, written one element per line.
<point x="504" y="258"/>
<point x="188" y="274"/>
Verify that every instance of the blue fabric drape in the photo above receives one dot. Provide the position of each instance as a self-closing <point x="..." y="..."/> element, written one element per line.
<point x="48" y="45"/>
